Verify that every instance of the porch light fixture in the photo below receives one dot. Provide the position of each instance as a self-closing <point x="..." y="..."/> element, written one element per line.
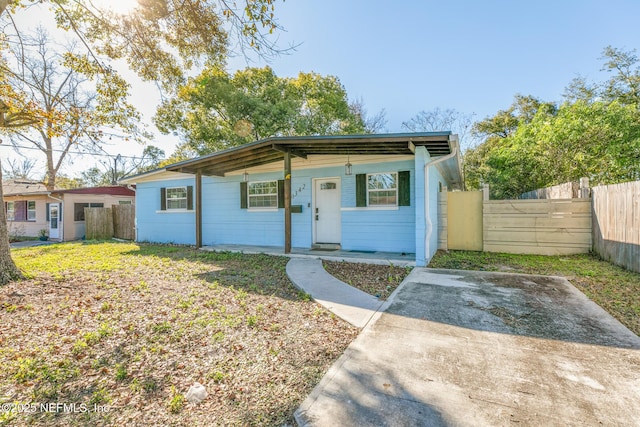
<point x="347" y="167"/>
<point x="245" y="176"/>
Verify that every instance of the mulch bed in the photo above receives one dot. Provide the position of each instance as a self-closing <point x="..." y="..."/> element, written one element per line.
<point x="377" y="280"/>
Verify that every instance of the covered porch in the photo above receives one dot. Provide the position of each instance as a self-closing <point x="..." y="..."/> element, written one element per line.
<point x="365" y="257"/>
<point x="430" y="145"/>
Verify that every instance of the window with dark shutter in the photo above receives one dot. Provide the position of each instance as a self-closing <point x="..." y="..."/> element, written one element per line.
<point x="190" y="197"/>
<point x="404" y="188"/>
<point x="264" y="194"/>
<point x="163" y="199"/>
<point x="281" y="193"/>
<point x="361" y="190"/>
<point x="243" y="195"/>
<point x="20" y="210"/>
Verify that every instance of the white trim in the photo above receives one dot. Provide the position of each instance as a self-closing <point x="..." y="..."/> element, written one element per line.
<point x="314" y="238"/>
<point x="380" y="190"/>
<point x="263" y="209"/>
<point x="175" y="211"/>
<point x="373" y="208"/>
<point x="34" y="211"/>
<point x="12" y="210"/>
<point x="173" y="199"/>
<point x="151" y="176"/>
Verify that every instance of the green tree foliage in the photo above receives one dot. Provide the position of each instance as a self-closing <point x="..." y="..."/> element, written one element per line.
<point x="162" y="39"/>
<point x="217" y="110"/>
<point x="595" y="133"/>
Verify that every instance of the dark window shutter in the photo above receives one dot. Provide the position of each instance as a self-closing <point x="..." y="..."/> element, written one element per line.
<point x="404" y="189"/>
<point x="243" y="195"/>
<point x="281" y="193"/>
<point x="21" y="210"/>
<point x="361" y="190"/>
<point x="163" y="199"/>
<point x="190" y="197"/>
<point x="47" y="212"/>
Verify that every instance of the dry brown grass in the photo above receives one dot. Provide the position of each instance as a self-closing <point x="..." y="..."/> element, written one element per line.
<point x="129" y="328"/>
<point x="377" y="280"/>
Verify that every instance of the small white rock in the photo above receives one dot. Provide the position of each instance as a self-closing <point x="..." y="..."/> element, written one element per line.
<point x="197" y="393"/>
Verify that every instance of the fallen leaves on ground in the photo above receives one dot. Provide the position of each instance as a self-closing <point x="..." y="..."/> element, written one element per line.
<point x="377" y="280"/>
<point x="126" y="329"/>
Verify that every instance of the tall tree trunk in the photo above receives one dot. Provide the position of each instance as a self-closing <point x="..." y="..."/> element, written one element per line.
<point x="8" y="270"/>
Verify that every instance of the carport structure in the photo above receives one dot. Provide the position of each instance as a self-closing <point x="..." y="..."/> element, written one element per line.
<point x="282" y="149"/>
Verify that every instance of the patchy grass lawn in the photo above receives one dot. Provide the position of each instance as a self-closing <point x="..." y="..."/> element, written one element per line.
<point x="377" y="280"/>
<point x="613" y="288"/>
<point x="128" y="328"/>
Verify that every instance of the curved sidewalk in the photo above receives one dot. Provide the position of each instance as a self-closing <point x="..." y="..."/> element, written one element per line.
<point x="348" y="303"/>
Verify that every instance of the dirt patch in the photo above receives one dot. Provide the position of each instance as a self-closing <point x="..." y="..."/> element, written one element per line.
<point x="377" y="280"/>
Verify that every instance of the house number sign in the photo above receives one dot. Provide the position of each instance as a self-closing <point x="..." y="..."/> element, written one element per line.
<point x="298" y="191"/>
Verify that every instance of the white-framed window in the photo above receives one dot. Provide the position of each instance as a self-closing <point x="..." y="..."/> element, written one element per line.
<point x="31" y="210"/>
<point x="176" y="198"/>
<point x="263" y="194"/>
<point x="11" y="211"/>
<point x="124" y="202"/>
<point x="382" y="189"/>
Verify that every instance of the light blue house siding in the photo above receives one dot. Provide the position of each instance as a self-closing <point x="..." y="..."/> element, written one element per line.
<point x="224" y="222"/>
<point x="426" y="232"/>
<point x="154" y="225"/>
<point x="377" y="229"/>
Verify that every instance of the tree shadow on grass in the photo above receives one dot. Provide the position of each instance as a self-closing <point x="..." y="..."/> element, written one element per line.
<point x="253" y="273"/>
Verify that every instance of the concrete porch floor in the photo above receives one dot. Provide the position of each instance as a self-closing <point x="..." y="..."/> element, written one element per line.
<point x="382" y="258"/>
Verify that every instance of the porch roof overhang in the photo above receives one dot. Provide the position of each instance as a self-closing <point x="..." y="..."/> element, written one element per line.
<point x="273" y="149"/>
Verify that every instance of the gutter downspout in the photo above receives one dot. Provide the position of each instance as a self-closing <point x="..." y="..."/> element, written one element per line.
<point x="429" y="224"/>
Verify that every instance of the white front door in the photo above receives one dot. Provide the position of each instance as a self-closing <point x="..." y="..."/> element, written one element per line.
<point x="326" y="212"/>
<point x="54" y="221"/>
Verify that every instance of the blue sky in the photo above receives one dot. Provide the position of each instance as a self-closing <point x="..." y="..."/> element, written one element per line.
<point x="473" y="56"/>
<point x="408" y="56"/>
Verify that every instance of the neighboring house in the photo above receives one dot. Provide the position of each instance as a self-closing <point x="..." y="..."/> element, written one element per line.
<point x="354" y="192"/>
<point x="30" y="207"/>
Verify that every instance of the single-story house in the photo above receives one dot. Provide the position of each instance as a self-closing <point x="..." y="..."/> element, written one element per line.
<point x="373" y="192"/>
<point x="30" y="208"/>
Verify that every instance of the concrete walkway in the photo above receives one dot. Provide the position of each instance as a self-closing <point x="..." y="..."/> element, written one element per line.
<point x="30" y="243"/>
<point x="346" y="302"/>
<point x="381" y="258"/>
<point x="463" y="348"/>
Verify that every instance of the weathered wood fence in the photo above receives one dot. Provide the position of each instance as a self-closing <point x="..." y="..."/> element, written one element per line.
<point x="567" y="190"/>
<point x="542" y="227"/>
<point x="616" y="223"/>
<point x="105" y="223"/>
<point x="124" y="220"/>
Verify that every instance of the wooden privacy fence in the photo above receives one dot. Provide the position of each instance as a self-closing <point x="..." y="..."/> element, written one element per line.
<point x="567" y="190"/>
<point x="105" y="223"/>
<point x="542" y="227"/>
<point x="616" y="223"/>
<point x="124" y="219"/>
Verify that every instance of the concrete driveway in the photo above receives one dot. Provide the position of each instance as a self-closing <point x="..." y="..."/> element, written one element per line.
<point x="461" y="348"/>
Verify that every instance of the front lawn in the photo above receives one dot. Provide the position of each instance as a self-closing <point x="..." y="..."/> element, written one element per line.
<point x="613" y="288"/>
<point x="126" y="329"/>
